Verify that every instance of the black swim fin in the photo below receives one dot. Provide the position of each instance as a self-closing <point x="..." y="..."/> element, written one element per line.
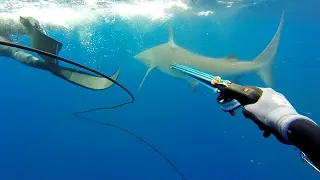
<point x="84" y="79"/>
<point x="40" y="40"/>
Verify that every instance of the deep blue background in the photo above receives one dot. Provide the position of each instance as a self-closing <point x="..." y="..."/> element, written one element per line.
<point x="40" y="139"/>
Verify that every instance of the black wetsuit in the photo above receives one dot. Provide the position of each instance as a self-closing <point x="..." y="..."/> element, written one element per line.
<point x="305" y="135"/>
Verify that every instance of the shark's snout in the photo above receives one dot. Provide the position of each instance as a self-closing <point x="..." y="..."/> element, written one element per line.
<point x="137" y="57"/>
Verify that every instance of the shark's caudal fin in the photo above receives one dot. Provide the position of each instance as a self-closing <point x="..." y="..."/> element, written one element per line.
<point x="267" y="56"/>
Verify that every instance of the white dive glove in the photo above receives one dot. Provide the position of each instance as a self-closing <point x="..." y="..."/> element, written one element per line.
<point x="273" y="114"/>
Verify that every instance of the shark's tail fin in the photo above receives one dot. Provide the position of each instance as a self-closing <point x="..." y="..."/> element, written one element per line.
<point x="266" y="58"/>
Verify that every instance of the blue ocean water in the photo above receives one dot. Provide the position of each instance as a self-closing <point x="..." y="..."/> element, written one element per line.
<point x="41" y="139"/>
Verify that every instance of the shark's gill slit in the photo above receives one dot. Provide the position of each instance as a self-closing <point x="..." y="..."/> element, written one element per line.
<point x="101" y="108"/>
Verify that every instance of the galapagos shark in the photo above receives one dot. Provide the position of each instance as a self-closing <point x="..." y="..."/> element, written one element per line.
<point x="163" y="56"/>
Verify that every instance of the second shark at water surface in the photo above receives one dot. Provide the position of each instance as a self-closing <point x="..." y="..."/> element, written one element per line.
<point x="165" y="55"/>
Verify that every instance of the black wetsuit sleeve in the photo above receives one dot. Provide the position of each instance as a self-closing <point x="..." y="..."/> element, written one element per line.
<point x="306" y="136"/>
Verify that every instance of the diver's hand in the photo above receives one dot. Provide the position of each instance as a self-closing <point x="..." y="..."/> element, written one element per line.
<point x="273" y="114"/>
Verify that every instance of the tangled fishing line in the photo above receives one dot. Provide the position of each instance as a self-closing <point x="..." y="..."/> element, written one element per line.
<point x="77" y="114"/>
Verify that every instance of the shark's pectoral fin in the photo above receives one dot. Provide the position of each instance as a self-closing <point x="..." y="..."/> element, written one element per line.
<point x="151" y="67"/>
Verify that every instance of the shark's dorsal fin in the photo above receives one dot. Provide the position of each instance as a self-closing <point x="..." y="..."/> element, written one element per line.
<point x="151" y="67"/>
<point x="171" y="34"/>
<point x="171" y="41"/>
